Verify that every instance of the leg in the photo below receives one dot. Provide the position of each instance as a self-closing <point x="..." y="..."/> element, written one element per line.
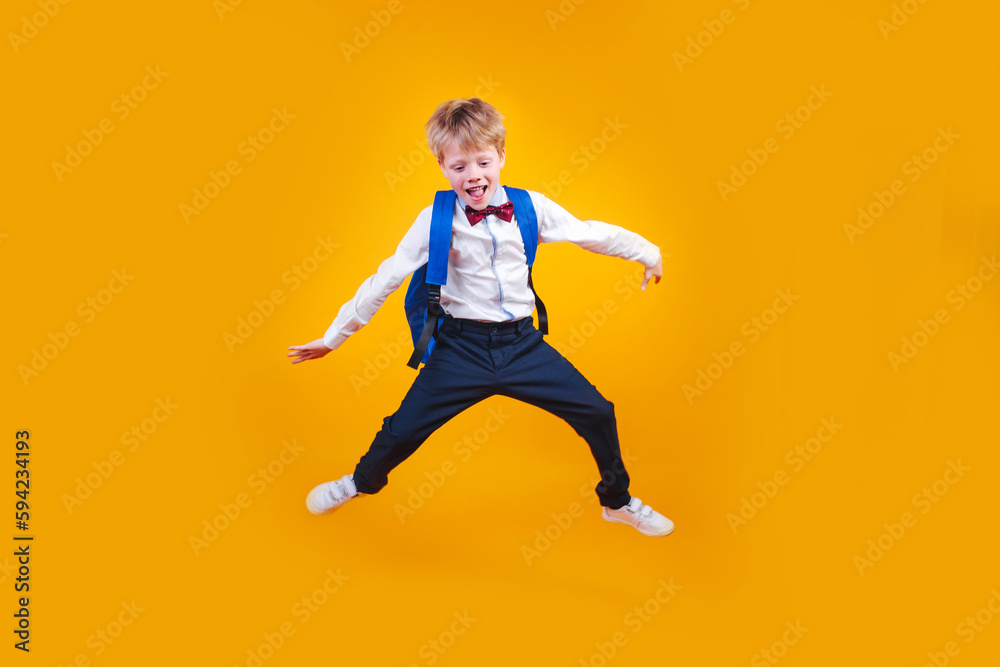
<point x="537" y="374"/>
<point x="450" y="382"/>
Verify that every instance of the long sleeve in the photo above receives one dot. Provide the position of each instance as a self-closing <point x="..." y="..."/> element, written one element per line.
<point x="411" y="254"/>
<point x="556" y="224"/>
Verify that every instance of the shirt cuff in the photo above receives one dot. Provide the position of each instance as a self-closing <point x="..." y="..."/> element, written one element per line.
<point x="651" y="256"/>
<point x="334" y="341"/>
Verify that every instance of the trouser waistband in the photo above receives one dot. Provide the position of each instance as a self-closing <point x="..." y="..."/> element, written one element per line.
<point x="475" y="326"/>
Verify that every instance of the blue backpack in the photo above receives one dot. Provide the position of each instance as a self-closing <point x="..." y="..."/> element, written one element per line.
<point x="423" y="295"/>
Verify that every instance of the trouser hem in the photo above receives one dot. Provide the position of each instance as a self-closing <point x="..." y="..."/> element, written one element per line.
<point x="362" y="485"/>
<point x="615" y="501"/>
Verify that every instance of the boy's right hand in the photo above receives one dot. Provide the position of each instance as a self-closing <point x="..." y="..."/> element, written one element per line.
<point x="314" y="350"/>
<point x="652" y="272"/>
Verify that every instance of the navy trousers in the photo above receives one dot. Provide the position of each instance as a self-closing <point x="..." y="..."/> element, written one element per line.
<point x="475" y="360"/>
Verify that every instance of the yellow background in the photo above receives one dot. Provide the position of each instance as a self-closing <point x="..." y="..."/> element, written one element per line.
<point x="559" y="73"/>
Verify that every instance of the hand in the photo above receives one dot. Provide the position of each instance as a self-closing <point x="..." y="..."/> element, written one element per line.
<point x="314" y="350"/>
<point x="652" y="271"/>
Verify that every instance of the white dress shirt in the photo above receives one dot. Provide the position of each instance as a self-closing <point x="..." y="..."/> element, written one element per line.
<point x="487" y="267"/>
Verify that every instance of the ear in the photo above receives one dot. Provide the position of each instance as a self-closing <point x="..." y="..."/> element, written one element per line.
<point x="503" y="156"/>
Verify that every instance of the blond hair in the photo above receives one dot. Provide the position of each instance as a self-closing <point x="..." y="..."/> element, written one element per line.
<point x="475" y="124"/>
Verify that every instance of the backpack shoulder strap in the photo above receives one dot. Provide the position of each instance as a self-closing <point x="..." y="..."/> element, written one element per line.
<point x="527" y="221"/>
<point x="440" y="241"/>
<point x="436" y="273"/>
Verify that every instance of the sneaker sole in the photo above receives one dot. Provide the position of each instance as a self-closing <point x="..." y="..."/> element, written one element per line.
<point x="323" y="512"/>
<point x="611" y="519"/>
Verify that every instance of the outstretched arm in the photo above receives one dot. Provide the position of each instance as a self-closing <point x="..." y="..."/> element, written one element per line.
<point x="556" y="224"/>
<point x="410" y="255"/>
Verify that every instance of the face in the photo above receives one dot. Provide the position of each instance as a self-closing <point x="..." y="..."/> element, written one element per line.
<point x="474" y="175"/>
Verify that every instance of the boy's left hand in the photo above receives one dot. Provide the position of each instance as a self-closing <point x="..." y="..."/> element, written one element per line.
<point x="652" y="271"/>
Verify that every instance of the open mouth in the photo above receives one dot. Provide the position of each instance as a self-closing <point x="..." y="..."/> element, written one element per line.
<point x="476" y="193"/>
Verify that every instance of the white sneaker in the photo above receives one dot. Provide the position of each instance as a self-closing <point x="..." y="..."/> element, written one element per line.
<point x="643" y="517"/>
<point x="331" y="495"/>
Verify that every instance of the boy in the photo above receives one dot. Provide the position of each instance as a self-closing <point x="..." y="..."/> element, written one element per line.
<point x="486" y="344"/>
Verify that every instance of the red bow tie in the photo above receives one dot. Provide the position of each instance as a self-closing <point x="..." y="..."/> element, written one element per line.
<point x="504" y="212"/>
